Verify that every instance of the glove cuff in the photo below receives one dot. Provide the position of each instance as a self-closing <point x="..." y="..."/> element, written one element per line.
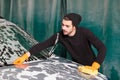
<point x="25" y="56"/>
<point x="28" y="54"/>
<point x="96" y="65"/>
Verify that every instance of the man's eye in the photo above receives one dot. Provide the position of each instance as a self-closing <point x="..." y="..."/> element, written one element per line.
<point x="67" y="26"/>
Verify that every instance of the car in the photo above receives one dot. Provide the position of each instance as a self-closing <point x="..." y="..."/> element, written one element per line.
<point x="14" y="42"/>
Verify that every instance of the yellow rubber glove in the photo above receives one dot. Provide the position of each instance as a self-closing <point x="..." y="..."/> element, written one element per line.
<point x="21" y="59"/>
<point x="92" y="70"/>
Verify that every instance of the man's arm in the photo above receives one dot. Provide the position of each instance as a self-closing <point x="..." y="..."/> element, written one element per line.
<point x="35" y="49"/>
<point x="97" y="43"/>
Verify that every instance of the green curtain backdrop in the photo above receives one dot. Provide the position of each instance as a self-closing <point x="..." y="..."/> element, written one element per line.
<point x="102" y="17"/>
<point x="41" y="19"/>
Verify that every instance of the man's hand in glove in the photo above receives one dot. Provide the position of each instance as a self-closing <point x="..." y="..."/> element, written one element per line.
<point x="92" y="70"/>
<point x="21" y="59"/>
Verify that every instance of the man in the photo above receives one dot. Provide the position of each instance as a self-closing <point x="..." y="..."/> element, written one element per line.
<point x="77" y="41"/>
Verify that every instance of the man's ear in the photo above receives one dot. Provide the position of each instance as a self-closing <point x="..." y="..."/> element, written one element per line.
<point x="74" y="27"/>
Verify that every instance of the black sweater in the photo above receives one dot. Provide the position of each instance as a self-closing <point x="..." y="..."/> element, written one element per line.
<point x="79" y="46"/>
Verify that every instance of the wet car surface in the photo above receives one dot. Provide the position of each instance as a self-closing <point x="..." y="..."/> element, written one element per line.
<point x="14" y="41"/>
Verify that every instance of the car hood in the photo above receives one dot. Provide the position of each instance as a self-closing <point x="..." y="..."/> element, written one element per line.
<point x="54" y="68"/>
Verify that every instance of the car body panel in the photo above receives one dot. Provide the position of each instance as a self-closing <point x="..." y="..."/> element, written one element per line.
<point x="54" y="68"/>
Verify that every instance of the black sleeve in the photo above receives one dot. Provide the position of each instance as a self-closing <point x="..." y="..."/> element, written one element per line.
<point x="98" y="44"/>
<point x="43" y="45"/>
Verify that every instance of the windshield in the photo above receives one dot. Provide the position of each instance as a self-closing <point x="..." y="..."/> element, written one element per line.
<point x="14" y="42"/>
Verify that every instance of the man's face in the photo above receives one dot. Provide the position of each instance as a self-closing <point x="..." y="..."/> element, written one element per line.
<point x="68" y="28"/>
